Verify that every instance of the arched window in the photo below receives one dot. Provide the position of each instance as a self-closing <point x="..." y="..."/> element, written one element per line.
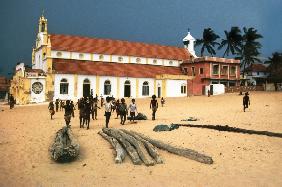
<point x="101" y="57"/>
<point x="86" y="88"/>
<point x="138" y="60"/>
<point x="145" y="89"/>
<point x="170" y="63"/>
<point x="154" y="61"/>
<point x="183" y="89"/>
<point x="64" y="86"/>
<point x="107" y="87"/>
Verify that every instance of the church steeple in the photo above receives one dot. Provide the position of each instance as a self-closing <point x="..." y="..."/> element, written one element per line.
<point x="42" y="23"/>
<point x="189" y="42"/>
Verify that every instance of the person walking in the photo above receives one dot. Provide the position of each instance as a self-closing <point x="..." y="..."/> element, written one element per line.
<point x="108" y="110"/>
<point x="51" y="109"/>
<point x="122" y="111"/>
<point x="132" y="109"/>
<point x="246" y="101"/>
<point x="154" y="106"/>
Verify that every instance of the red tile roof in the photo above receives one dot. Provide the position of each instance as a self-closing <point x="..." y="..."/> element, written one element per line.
<point x="112" y="69"/>
<point x="257" y="68"/>
<point x="116" y="47"/>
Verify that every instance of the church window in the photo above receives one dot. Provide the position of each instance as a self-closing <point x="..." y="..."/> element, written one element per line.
<point x="170" y="63"/>
<point x="59" y="54"/>
<point x="154" y="61"/>
<point x="138" y="60"/>
<point x="81" y="56"/>
<point x="120" y="59"/>
<point x="101" y="57"/>
<point x="37" y="87"/>
<point x="64" y="86"/>
<point x="183" y="89"/>
<point x="107" y="87"/>
<point x="145" y="89"/>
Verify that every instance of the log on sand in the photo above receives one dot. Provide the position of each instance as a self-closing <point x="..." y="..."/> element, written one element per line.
<point x="191" y="154"/>
<point x="140" y="148"/>
<point x="150" y="148"/>
<point x="65" y="147"/>
<point x="120" y="152"/>
<point x="127" y="146"/>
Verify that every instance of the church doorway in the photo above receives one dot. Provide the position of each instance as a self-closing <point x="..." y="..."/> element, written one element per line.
<point x="127" y="89"/>
<point x="159" y="92"/>
<point x="86" y="88"/>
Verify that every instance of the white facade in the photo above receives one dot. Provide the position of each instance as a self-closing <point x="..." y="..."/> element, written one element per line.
<point x="37" y="97"/>
<point x="109" y="58"/>
<point x="172" y="87"/>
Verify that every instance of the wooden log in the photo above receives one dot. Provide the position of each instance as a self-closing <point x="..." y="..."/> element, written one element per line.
<point x="120" y="152"/>
<point x="234" y="129"/>
<point x="65" y="147"/>
<point x="127" y="146"/>
<point x="188" y="153"/>
<point x="140" y="148"/>
<point x="150" y="148"/>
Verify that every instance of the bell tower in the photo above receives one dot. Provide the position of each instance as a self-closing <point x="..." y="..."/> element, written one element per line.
<point x="189" y="42"/>
<point x="42" y="35"/>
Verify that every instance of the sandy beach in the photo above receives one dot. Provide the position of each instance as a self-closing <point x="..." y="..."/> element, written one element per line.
<point x="27" y="132"/>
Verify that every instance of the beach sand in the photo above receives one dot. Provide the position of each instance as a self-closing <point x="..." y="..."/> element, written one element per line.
<point x="27" y="132"/>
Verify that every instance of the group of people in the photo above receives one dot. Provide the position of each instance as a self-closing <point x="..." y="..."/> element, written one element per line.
<point x="88" y="107"/>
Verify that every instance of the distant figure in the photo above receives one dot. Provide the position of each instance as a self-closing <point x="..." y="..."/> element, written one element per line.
<point x="62" y="104"/>
<point x="102" y="101"/>
<point x="12" y="101"/>
<point x="80" y="106"/>
<point x="246" y="101"/>
<point x="87" y="112"/>
<point x="57" y="104"/>
<point x="209" y="93"/>
<point x="162" y="101"/>
<point x="132" y="109"/>
<point x="117" y="108"/>
<point x="68" y="112"/>
<point x="72" y="106"/>
<point x="122" y="111"/>
<point x="51" y="109"/>
<point x="114" y="104"/>
<point x="154" y="106"/>
<point x="108" y="109"/>
<point x="94" y="108"/>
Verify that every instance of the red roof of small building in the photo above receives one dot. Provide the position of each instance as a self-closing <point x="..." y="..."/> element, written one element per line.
<point x="116" y="47"/>
<point x="257" y="68"/>
<point x="64" y="66"/>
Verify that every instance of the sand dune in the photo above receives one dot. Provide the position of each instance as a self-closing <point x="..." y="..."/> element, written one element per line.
<point x="26" y="133"/>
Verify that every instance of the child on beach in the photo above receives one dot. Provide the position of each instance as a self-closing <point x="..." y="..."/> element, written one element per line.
<point x="162" y="101"/>
<point x="68" y="112"/>
<point x="246" y="101"/>
<point x="154" y="106"/>
<point x="108" y="110"/>
<point x="122" y="111"/>
<point x="94" y="108"/>
<point x="87" y="112"/>
<point x="57" y="104"/>
<point x="132" y="109"/>
<point x="117" y="108"/>
<point x="51" y="109"/>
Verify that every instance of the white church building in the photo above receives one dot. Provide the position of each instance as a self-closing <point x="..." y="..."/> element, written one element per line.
<point x="76" y="66"/>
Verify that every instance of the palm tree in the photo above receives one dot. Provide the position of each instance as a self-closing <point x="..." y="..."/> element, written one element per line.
<point x="208" y="41"/>
<point x="250" y="48"/>
<point x="275" y="66"/>
<point x="233" y="41"/>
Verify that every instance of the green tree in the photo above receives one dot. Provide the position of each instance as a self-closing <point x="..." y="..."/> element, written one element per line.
<point x="208" y="41"/>
<point x="250" y="48"/>
<point x="233" y="41"/>
<point x="275" y="67"/>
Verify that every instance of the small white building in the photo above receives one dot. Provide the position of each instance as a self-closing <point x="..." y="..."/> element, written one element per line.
<point x="256" y="74"/>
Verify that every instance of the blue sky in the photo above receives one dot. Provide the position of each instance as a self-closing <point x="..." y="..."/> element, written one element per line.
<point x="153" y="21"/>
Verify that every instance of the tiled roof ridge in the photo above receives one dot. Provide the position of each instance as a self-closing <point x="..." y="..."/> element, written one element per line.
<point x="117" y="40"/>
